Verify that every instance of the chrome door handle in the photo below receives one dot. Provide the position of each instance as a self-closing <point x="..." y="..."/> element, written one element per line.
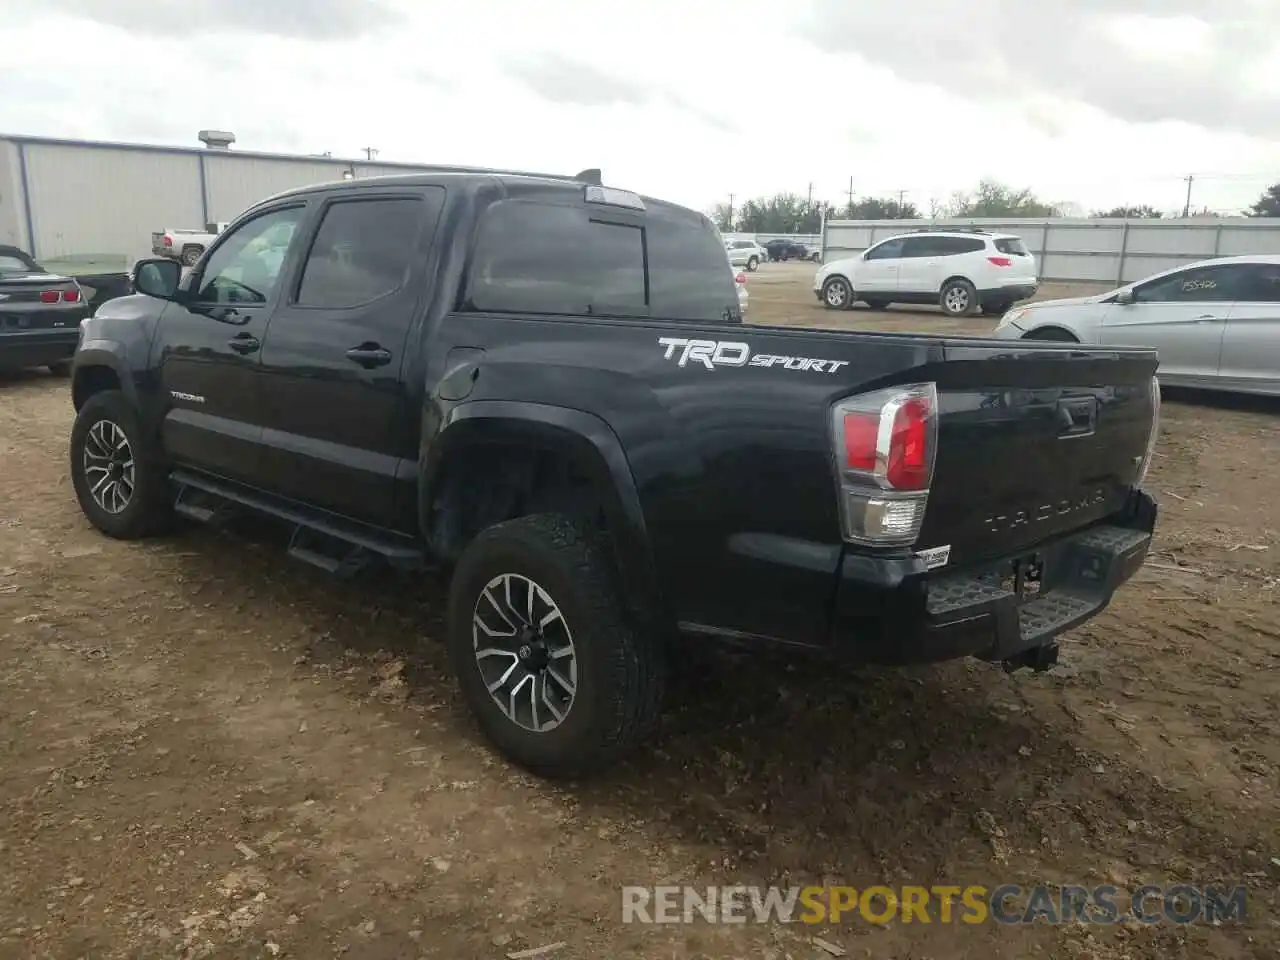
<point x="1207" y="318"/>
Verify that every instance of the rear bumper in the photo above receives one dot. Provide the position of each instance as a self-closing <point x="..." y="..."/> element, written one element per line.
<point x="36" y="348"/>
<point x="889" y="611"/>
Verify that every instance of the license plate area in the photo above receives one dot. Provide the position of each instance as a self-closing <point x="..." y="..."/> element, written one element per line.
<point x="1024" y="578"/>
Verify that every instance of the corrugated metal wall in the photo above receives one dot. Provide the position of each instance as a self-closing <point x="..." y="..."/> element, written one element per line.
<point x="236" y="183"/>
<point x="99" y="202"/>
<point x="1096" y="251"/>
<point x="12" y="221"/>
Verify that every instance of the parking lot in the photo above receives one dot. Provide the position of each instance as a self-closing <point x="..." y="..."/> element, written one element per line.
<point x="210" y="751"/>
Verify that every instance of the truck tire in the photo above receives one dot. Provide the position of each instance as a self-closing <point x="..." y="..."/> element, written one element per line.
<point x="557" y="678"/>
<point x="117" y="472"/>
<point x="837" y="294"/>
<point x="958" y="298"/>
<point x="191" y="255"/>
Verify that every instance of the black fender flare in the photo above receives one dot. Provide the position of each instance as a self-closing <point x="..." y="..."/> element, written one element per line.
<point x="594" y="449"/>
<point x="101" y="353"/>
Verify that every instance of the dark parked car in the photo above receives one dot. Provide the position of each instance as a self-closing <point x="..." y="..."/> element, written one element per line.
<point x="40" y="314"/>
<point x="544" y="386"/>
<point x="781" y="249"/>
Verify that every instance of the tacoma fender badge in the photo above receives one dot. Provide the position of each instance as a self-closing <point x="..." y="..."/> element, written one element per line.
<point x="935" y="557"/>
<point x="189" y="397"/>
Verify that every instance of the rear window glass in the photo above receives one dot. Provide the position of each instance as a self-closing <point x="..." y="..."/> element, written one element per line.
<point x="1012" y="246"/>
<point x="15" y="263"/>
<point x="540" y="258"/>
<point x="689" y="276"/>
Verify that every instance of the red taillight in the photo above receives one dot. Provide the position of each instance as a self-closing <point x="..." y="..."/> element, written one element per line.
<point x="885" y="443"/>
<point x="50" y="296"/>
<point x="1001" y="261"/>
<point x="71" y="296"/>
<point x="741" y="278"/>
<point x="861" y="433"/>
<point x="168" y="240"/>
<point x="908" y="467"/>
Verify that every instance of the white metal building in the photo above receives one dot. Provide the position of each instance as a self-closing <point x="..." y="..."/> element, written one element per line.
<point x="100" y="202"/>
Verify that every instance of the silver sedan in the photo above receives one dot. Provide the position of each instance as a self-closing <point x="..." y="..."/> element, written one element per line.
<point x="1216" y="323"/>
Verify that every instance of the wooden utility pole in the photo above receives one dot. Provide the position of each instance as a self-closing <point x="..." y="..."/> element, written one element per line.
<point x="1186" y="210"/>
<point x="850" y="207"/>
<point x="370" y="152"/>
<point x="729" y="225"/>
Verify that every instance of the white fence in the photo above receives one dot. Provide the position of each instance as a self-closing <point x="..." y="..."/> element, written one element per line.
<point x="1093" y="251"/>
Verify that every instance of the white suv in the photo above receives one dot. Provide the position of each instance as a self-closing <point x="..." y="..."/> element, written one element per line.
<point x="745" y="253"/>
<point x="960" y="271"/>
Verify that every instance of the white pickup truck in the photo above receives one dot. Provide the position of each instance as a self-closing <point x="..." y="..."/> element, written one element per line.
<point x="185" y="246"/>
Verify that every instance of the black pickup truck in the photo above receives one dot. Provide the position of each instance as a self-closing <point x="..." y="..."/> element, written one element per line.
<point x="544" y="386"/>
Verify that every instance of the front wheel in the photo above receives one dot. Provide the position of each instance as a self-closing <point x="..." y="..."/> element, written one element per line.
<point x="837" y="294"/>
<point x="958" y="298"/>
<point x="547" y="661"/>
<point x="753" y="263"/>
<point x="117" y="472"/>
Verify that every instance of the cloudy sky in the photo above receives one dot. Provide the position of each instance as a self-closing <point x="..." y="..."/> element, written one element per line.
<point x="1097" y="102"/>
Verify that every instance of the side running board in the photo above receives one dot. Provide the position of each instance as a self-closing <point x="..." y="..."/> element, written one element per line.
<point x="337" y="546"/>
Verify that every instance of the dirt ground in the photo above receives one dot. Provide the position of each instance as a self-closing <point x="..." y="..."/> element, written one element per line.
<point x="206" y="750"/>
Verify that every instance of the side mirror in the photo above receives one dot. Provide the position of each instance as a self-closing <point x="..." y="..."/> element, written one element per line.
<point x="1125" y="297"/>
<point x="157" y="277"/>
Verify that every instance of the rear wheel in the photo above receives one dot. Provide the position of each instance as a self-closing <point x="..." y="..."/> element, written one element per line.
<point x="837" y="294"/>
<point x="555" y="674"/>
<point x="753" y="263"/>
<point x="958" y="298"/>
<point x="117" y="471"/>
<point x="61" y="368"/>
<point x="995" y="309"/>
<point x="878" y="304"/>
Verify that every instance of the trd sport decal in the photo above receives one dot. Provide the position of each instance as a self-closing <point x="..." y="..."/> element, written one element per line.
<point x="732" y="353"/>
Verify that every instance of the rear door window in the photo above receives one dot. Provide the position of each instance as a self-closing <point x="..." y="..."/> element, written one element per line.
<point x="543" y="258"/>
<point x="687" y="275"/>
<point x="1260" y="283"/>
<point x="1013" y="246"/>
<point x="954" y="246"/>
<point x="920" y="247"/>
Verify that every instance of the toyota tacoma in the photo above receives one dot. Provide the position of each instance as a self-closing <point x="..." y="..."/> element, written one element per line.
<point x="544" y="386"/>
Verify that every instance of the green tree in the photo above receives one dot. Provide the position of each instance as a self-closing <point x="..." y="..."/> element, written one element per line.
<point x="873" y="208"/>
<point x="993" y="199"/>
<point x="1268" y="204"/>
<point x="1142" y="212"/>
<point x="781" y="213"/>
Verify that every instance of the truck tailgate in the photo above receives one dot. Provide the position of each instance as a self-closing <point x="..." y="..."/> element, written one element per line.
<point x="1033" y="442"/>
